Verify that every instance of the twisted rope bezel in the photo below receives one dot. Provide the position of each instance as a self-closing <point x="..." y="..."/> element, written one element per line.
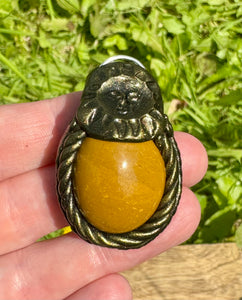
<point x="149" y="230"/>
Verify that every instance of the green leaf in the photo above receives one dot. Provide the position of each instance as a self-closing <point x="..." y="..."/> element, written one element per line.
<point x="226" y="152"/>
<point x="98" y="25"/>
<point x="157" y="66"/>
<point x="206" y="64"/>
<point x="239" y="11"/>
<point x="83" y="52"/>
<point x="139" y="34"/>
<point x="173" y="25"/>
<point x="55" y="25"/>
<point x="72" y="6"/>
<point x="43" y="40"/>
<point x="116" y="40"/>
<point x="218" y="225"/>
<point x="231" y="188"/>
<point x="6" y="7"/>
<point x="127" y="5"/>
<point x="203" y="202"/>
<point x="232" y="98"/>
<point x="215" y="2"/>
<point x="86" y="5"/>
<point x="238" y="236"/>
<point x="221" y="74"/>
<point x="52" y="235"/>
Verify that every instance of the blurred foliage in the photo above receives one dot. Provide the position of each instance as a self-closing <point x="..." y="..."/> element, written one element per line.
<point x="193" y="48"/>
<point x="55" y="234"/>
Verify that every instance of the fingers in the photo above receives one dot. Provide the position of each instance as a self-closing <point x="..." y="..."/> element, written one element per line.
<point x="110" y="287"/>
<point x="30" y="133"/>
<point x="194" y="158"/>
<point x="68" y="263"/>
<point x="30" y="208"/>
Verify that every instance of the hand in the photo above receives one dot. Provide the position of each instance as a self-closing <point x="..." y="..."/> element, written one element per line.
<point x="67" y="267"/>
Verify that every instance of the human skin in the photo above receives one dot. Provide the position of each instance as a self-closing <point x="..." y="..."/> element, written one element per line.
<point x="67" y="267"/>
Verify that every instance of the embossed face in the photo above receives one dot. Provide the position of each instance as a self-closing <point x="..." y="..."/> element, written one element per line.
<point x="125" y="97"/>
<point x="121" y="102"/>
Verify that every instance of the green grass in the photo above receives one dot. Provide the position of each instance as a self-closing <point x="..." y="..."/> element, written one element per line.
<point x="193" y="48"/>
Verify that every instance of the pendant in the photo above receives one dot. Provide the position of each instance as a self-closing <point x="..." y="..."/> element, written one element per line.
<point x="118" y="165"/>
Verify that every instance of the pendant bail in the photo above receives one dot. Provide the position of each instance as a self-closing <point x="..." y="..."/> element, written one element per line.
<point x="122" y="57"/>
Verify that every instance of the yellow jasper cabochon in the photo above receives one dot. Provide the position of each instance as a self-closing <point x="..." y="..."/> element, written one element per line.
<point x="118" y="185"/>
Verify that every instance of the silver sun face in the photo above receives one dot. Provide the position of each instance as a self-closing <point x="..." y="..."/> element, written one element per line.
<point x="120" y="102"/>
<point x="124" y="97"/>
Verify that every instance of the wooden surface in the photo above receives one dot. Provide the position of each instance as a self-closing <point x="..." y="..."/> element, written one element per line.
<point x="208" y="272"/>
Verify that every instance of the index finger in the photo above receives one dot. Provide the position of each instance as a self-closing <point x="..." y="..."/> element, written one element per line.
<point x="30" y="133"/>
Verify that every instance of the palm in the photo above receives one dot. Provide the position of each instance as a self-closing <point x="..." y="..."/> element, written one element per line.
<point x="66" y="267"/>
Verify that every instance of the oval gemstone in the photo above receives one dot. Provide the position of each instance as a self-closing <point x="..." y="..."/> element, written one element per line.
<point x="118" y="185"/>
